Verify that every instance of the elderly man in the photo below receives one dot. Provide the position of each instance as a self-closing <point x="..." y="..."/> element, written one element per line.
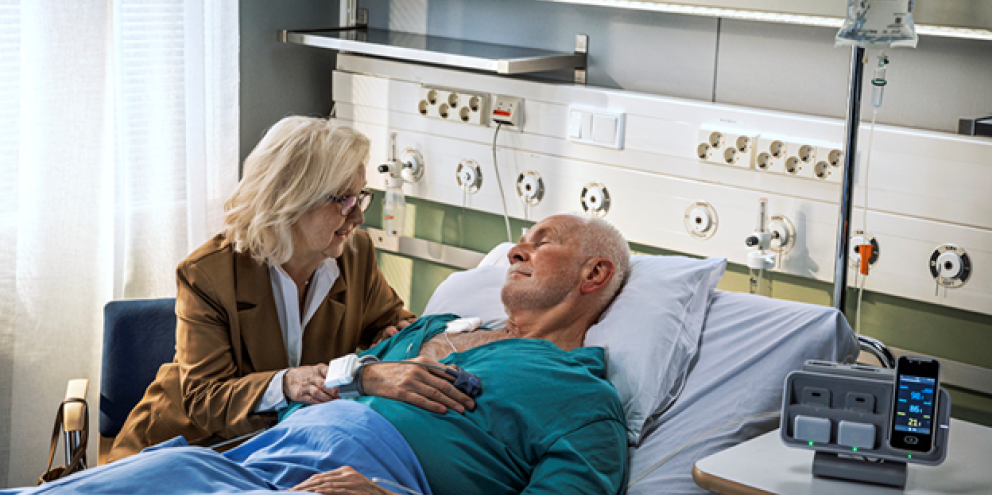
<point x="546" y="421"/>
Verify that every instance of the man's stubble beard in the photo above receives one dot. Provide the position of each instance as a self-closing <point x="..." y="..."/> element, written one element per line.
<point x="528" y="293"/>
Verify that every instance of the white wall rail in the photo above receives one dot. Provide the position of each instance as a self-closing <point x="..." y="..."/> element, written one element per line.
<point x="925" y="188"/>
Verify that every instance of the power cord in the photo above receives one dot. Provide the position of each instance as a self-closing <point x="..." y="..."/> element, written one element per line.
<point x="502" y="196"/>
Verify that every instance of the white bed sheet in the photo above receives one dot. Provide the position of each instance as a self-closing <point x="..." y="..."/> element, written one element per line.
<point x="748" y="346"/>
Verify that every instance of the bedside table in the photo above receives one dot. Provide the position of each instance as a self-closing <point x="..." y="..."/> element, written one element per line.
<point x="764" y="465"/>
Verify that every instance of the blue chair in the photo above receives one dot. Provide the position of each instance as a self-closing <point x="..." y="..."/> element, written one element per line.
<point x="138" y="337"/>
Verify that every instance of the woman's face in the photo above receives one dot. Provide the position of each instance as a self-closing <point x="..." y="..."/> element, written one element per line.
<point x="322" y="231"/>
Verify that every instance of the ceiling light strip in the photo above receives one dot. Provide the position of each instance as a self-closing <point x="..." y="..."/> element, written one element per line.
<point x="777" y="17"/>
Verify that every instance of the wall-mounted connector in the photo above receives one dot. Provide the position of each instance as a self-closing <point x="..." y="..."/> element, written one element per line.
<point x="771" y="154"/>
<point x="950" y="266"/>
<point x="829" y="163"/>
<point x="469" y="176"/>
<point x="530" y="187"/>
<point x="726" y="146"/>
<point x="859" y="237"/>
<point x="595" y="199"/>
<point x="801" y="159"/>
<point x="701" y="220"/>
<point x="454" y="105"/>
<point x="508" y="111"/>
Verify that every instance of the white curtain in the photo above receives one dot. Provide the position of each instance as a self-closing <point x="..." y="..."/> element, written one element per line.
<point x="118" y="147"/>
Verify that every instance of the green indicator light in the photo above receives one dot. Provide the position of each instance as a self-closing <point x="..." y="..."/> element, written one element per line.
<point x="910" y="456"/>
<point x="810" y="443"/>
<point x="854" y="449"/>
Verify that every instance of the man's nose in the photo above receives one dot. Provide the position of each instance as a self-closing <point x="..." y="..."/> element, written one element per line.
<point x="518" y="253"/>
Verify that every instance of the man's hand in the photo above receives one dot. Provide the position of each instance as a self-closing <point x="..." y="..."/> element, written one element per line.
<point x="306" y="384"/>
<point x="342" y="480"/>
<point x="426" y="388"/>
<point x="393" y="330"/>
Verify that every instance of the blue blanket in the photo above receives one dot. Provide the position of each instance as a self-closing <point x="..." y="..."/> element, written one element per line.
<point x="314" y="440"/>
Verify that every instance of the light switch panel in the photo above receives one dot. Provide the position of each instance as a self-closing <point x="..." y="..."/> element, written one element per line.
<point x="598" y="127"/>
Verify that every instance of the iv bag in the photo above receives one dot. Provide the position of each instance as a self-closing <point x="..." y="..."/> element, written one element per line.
<point x="878" y="23"/>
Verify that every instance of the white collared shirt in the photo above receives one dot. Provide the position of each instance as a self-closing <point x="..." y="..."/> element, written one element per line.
<point x="292" y="324"/>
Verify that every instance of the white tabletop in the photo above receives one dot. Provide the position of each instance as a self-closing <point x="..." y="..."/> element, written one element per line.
<point x="765" y="463"/>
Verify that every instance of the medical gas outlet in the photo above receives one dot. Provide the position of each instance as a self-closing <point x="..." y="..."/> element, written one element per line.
<point x="408" y="168"/>
<point x="771" y="237"/>
<point x="595" y="199"/>
<point x="950" y="266"/>
<point x="469" y="176"/>
<point x="701" y="220"/>
<point x="530" y="188"/>
<point x="860" y="237"/>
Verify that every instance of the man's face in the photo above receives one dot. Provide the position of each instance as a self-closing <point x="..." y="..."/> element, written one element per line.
<point x="545" y="266"/>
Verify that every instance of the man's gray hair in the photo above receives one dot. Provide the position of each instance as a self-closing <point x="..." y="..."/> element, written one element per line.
<point x="601" y="239"/>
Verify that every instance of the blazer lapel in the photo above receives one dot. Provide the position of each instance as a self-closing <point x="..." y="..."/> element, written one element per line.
<point x="322" y="338"/>
<point x="257" y="317"/>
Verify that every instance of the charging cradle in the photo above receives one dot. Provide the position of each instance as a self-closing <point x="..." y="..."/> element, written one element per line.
<point x="843" y="412"/>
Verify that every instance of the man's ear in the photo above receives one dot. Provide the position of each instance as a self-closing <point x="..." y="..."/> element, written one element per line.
<point x="596" y="274"/>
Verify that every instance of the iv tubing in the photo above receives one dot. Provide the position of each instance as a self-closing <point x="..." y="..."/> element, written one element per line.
<point x="864" y="219"/>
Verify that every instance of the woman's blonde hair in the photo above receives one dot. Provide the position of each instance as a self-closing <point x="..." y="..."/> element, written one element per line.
<point x="295" y="167"/>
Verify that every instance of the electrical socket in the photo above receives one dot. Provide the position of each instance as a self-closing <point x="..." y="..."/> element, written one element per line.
<point x="800" y="160"/>
<point x="829" y="163"/>
<point x="723" y="147"/>
<point x="454" y="105"/>
<point x="771" y="153"/>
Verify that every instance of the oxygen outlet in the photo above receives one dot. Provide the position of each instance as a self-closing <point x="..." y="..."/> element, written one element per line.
<point x="469" y="176"/>
<point x="530" y="188"/>
<point x="700" y="220"/>
<point x="595" y="199"/>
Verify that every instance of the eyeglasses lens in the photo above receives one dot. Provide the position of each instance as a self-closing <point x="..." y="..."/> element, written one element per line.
<point x="348" y="205"/>
<point x="365" y="200"/>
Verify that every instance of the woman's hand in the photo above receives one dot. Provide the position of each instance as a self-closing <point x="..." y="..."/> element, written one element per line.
<point x="426" y="388"/>
<point x="306" y="384"/>
<point x="393" y="330"/>
<point x="343" y="480"/>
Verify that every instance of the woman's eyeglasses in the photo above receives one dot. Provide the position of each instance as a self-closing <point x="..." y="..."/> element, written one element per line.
<point x="348" y="203"/>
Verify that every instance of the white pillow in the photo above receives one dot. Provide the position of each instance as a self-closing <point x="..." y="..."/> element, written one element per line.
<point x="474" y="292"/>
<point x="749" y="344"/>
<point x="650" y="332"/>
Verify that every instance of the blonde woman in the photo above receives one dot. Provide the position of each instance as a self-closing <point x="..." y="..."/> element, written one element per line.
<point x="290" y="284"/>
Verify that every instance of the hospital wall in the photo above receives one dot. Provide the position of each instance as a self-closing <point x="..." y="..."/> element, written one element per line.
<point x="788" y="68"/>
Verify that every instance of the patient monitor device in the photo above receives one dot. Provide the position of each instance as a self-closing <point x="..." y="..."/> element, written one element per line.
<point x="844" y="413"/>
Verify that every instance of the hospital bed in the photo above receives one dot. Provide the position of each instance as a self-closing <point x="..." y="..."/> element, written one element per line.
<point x="698" y="369"/>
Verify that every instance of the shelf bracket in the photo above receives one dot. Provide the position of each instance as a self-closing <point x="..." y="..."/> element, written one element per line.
<point x="581" y="48"/>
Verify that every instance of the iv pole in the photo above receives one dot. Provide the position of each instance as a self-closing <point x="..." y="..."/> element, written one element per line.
<point x="869" y="344"/>
<point x="847" y="186"/>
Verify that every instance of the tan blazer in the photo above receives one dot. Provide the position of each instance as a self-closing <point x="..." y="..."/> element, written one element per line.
<point x="229" y="343"/>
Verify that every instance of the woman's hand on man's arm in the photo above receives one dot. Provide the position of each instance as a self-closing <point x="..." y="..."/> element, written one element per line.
<point x="306" y="384"/>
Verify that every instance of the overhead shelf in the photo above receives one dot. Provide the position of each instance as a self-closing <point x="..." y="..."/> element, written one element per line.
<point x="499" y="59"/>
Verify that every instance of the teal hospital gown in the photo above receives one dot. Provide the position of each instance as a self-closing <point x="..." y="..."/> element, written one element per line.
<point x="547" y="420"/>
